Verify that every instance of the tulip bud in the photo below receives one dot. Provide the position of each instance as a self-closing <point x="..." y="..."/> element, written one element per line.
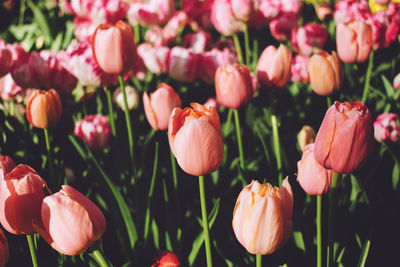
<point x="195" y="138"/>
<point x="4" y="250"/>
<point x="21" y="195"/>
<point x="233" y="85"/>
<point x="159" y="105"/>
<point x="44" y="109"/>
<point x="72" y="222"/>
<point x="132" y="97"/>
<point x="167" y="259"/>
<point x="325" y="72"/>
<point x="354" y="41"/>
<point x="114" y="48"/>
<point x="386" y="128"/>
<point x="345" y="138"/>
<point x="273" y="67"/>
<point x="305" y="136"/>
<point x="94" y="130"/>
<point x="262" y="218"/>
<point x="6" y="164"/>
<point x="313" y="178"/>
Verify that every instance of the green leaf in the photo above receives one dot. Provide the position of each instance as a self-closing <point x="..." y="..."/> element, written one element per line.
<point x="388" y="87"/>
<point x="364" y="253"/>
<point x="156" y="235"/>
<point x="298" y="240"/>
<point x="56" y="45"/>
<point x="41" y="21"/>
<point x="396" y="175"/>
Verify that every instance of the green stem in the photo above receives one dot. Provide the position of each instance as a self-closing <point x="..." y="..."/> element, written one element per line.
<point x="205" y="221"/>
<point x="328" y="101"/>
<point x="258" y="260"/>
<point x="247" y="44"/>
<point x="136" y="33"/>
<point x="84" y="100"/>
<point x="368" y="77"/>
<point x="98" y="256"/>
<point x="111" y="112"/>
<point x="21" y="12"/>
<point x="238" y="48"/>
<point x="32" y="250"/>
<point x="277" y="147"/>
<point x="319" y="231"/>
<point x="331" y="217"/>
<point x="49" y="157"/>
<point x="128" y="124"/>
<point x="239" y="138"/>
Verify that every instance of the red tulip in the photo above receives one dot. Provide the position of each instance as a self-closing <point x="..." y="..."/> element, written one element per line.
<point x="159" y="105"/>
<point x="94" y="130"/>
<point x="114" y="48"/>
<point x="233" y="85"/>
<point x="345" y="138"/>
<point x="167" y="259"/>
<point x="4" y="250"/>
<point x="44" y="109"/>
<point x="195" y="138"/>
<point x="6" y="164"/>
<point x="6" y="61"/>
<point x="21" y="195"/>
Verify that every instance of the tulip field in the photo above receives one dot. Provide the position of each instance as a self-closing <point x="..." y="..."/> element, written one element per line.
<point x="199" y="133"/>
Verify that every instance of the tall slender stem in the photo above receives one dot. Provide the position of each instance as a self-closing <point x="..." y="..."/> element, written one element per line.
<point x="21" y="12"/>
<point x="238" y="48"/>
<point x="98" y="256"/>
<point x="84" y="100"/>
<point x="206" y="232"/>
<point x="128" y="124"/>
<point x="49" y="157"/>
<point x="247" y="44"/>
<point x="258" y="260"/>
<point x="319" y="231"/>
<point x="239" y="138"/>
<point x="328" y="101"/>
<point x="136" y="33"/>
<point x="111" y="112"/>
<point x="331" y="216"/>
<point x="368" y="77"/>
<point x="32" y="249"/>
<point x="277" y="147"/>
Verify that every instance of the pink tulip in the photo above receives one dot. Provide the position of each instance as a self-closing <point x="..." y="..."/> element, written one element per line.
<point x="95" y="130"/>
<point x="183" y="64"/>
<point x="345" y="138"/>
<point x="309" y="38"/>
<point x="270" y="8"/>
<point x="387" y="128"/>
<point x="347" y="10"/>
<point x="83" y="29"/>
<point x="152" y="12"/>
<point x="6" y="61"/>
<point x="6" y="164"/>
<point x="262" y="218"/>
<point x="244" y="10"/>
<point x="199" y="42"/>
<point x="233" y="85"/>
<point x="72" y="222"/>
<point x="159" y="105"/>
<point x="174" y="27"/>
<point x="8" y="88"/>
<point x="273" y="67"/>
<point x="212" y="102"/>
<point x="195" y="138"/>
<point x="4" y="250"/>
<point x="32" y="72"/>
<point x="223" y="18"/>
<point x="354" y="41"/>
<point x="299" y="70"/>
<point x="199" y="10"/>
<point x="21" y="195"/>
<point x="155" y="58"/>
<point x="386" y="26"/>
<point x="313" y="178"/>
<point x="281" y="27"/>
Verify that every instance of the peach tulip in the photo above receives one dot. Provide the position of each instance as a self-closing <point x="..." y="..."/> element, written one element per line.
<point x="72" y="222"/>
<point x="114" y="47"/>
<point x="21" y="195"/>
<point x="313" y="178"/>
<point x="4" y="250"/>
<point x="6" y="164"/>
<point x="305" y="136"/>
<point x="325" y="72"/>
<point x="354" y="41"/>
<point x="262" y="218"/>
<point x="44" y="109"/>
<point x="159" y="105"/>
<point x="195" y="138"/>
<point x="345" y="138"/>
<point x="273" y="67"/>
<point x="233" y="85"/>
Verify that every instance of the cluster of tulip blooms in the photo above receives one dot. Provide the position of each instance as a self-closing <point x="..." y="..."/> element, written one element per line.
<point x="107" y="51"/>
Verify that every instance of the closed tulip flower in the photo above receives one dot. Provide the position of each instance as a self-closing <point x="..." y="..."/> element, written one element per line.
<point x="167" y="259"/>
<point x="6" y="164"/>
<point x="95" y="130"/>
<point x="132" y="96"/>
<point x="159" y="105"/>
<point x="233" y="85"/>
<point x="309" y="38"/>
<point x="44" y="109"/>
<point x="183" y="64"/>
<point x="345" y="138"/>
<point x="273" y="67"/>
<point x="325" y="72"/>
<point x="21" y="195"/>
<point x="387" y="128"/>
<point x="313" y="178"/>
<point x="354" y="41"/>
<point x="195" y="138"/>
<point x="72" y="222"/>
<point x="223" y="18"/>
<point x="305" y="136"/>
<point x="4" y="250"/>
<point x="114" y="47"/>
<point x="262" y="218"/>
